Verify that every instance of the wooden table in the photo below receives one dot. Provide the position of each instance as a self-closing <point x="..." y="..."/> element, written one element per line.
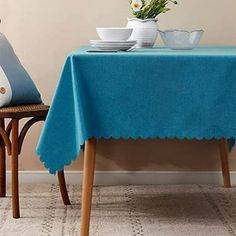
<point x="88" y="177"/>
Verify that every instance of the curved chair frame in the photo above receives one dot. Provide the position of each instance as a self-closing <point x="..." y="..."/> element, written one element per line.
<point x="12" y="140"/>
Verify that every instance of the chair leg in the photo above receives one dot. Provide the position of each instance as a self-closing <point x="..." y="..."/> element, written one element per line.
<point x="225" y="162"/>
<point x="87" y="188"/>
<point x="62" y="184"/>
<point x="2" y="164"/>
<point x="14" y="171"/>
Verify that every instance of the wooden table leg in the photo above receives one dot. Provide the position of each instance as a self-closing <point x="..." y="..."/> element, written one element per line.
<point x="14" y="169"/>
<point x="225" y="162"/>
<point x="62" y="184"/>
<point x="2" y="164"/>
<point x="87" y="187"/>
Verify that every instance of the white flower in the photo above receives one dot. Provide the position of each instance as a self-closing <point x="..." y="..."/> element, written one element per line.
<point x="136" y="5"/>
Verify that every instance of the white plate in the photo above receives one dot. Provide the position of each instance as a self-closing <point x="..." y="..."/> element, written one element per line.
<point x="106" y="47"/>
<point x="113" y="44"/>
<point x="120" y="41"/>
<point x="123" y="46"/>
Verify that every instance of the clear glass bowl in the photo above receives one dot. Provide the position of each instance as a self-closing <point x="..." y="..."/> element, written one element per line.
<point x="181" y="39"/>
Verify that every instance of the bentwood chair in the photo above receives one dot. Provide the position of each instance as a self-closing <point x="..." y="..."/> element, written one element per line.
<point x="13" y="146"/>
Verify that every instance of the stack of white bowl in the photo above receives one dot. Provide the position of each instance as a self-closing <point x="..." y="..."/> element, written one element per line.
<point x="113" y="39"/>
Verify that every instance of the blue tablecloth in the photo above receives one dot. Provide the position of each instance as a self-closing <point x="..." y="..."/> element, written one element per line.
<point x="146" y="93"/>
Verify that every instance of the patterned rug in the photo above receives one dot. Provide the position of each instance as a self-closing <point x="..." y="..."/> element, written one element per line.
<point x="163" y="210"/>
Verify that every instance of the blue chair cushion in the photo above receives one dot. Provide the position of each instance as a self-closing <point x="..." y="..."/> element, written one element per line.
<point x="16" y="86"/>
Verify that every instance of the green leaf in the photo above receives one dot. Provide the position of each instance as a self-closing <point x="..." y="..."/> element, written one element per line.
<point x="153" y="8"/>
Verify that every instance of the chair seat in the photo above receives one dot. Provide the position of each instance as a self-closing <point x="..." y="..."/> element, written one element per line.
<point x="18" y="112"/>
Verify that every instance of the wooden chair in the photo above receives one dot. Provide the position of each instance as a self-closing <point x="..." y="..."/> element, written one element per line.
<point x="13" y="146"/>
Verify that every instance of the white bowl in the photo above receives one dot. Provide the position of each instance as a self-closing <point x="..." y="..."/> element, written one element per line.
<point x="114" y="34"/>
<point x="181" y="39"/>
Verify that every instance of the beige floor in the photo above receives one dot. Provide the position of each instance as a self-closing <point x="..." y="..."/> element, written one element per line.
<point x="125" y="211"/>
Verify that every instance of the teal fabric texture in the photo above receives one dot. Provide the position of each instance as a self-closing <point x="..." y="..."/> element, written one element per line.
<point x="146" y="93"/>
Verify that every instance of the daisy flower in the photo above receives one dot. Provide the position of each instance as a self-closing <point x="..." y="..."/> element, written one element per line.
<point x="136" y="5"/>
